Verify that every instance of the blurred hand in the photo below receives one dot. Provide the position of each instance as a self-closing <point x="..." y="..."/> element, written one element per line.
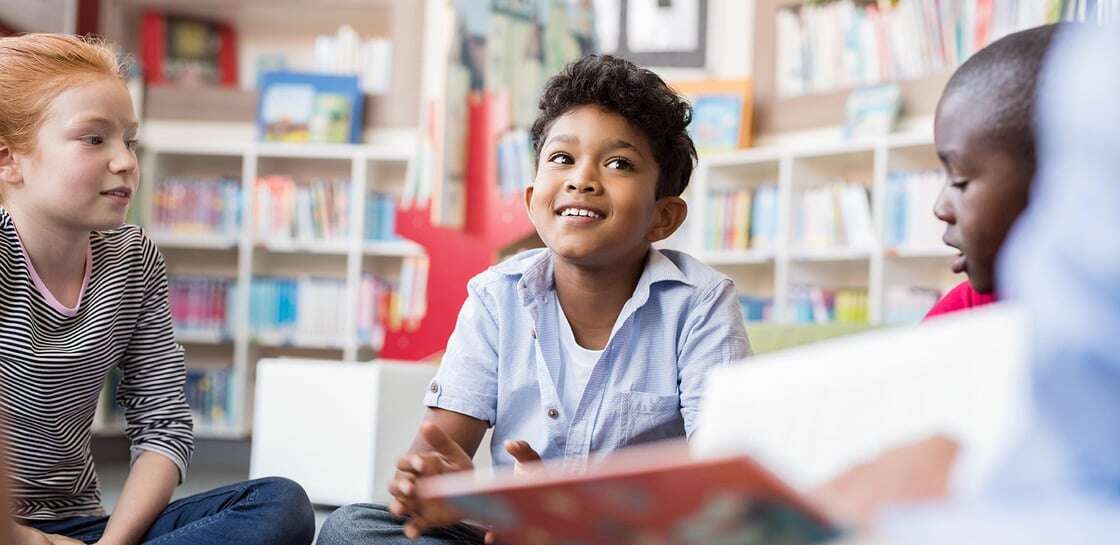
<point x="907" y="474"/>
<point x="446" y="456"/>
<point x="528" y="461"/>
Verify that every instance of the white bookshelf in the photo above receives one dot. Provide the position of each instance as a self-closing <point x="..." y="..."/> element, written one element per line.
<point x="243" y="256"/>
<point x="794" y="166"/>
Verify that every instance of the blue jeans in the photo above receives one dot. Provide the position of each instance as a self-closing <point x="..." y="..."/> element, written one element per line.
<point x="270" y="511"/>
<point x="368" y="524"/>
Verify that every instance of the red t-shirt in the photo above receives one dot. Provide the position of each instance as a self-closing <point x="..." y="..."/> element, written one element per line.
<point x="962" y="297"/>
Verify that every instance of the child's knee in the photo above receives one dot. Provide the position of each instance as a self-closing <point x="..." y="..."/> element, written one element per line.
<point x="360" y="523"/>
<point x="294" y="516"/>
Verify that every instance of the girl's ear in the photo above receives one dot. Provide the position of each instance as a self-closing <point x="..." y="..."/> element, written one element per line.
<point x="10" y="173"/>
<point x="668" y="215"/>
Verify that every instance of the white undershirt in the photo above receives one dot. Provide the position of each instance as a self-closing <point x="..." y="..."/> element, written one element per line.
<point x="577" y="364"/>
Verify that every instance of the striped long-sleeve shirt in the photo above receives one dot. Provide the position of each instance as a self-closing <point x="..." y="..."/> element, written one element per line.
<point x="54" y="361"/>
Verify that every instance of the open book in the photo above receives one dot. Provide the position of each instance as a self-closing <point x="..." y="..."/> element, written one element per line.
<point x="649" y="495"/>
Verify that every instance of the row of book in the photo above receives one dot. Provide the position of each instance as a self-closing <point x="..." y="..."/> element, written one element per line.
<point x="210" y="395"/>
<point x="741" y="219"/>
<point x="309" y="311"/>
<point x="197" y="206"/>
<point x="304" y="311"/>
<point x="834" y="215"/>
<point x="833" y="45"/>
<point x="384" y="305"/>
<point x="284" y="209"/>
<point x="200" y="305"/>
<point x="818" y="305"/>
<point x="910" y="197"/>
<point x="812" y="305"/>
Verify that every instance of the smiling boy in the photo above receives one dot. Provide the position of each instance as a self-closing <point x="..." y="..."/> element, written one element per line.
<point x="598" y="341"/>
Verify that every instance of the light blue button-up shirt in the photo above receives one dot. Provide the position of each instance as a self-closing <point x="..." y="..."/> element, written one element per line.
<point x="503" y="360"/>
<point x="1061" y="484"/>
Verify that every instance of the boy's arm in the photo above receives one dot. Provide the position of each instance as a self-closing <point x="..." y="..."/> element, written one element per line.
<point x="465" y="431"/>
<point x="715" y="337"/>
<point x="462" y="401"/>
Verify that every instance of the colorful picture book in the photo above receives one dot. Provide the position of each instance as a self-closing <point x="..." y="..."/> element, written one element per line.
<point x="187" y="51"/>
<point x="645" y="495"/>
<point x="721" y="113"/>
<point x="197" y="206"/>
<point x="302" y="108"/>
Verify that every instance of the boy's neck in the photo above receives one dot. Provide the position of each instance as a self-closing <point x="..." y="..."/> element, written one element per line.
<point x="58" y="254"/>
<point x="593" y="297"/>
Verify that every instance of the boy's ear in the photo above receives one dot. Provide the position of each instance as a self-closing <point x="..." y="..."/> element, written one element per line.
<point x="528" y="200"/>
<point x="668" y="215"/>
<point x="10" y="172"/>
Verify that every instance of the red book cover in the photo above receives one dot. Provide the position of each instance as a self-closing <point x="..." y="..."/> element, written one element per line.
<point x="227" y="56"/>
<point x="187" y="51"/>
<point x="655" y="495"/>
<point x="153" y="37"/>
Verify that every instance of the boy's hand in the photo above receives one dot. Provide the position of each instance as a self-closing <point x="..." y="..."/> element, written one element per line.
<point x="910" y="473"/>
<point x="446" y="456"/>
<point x="528" y="461"/>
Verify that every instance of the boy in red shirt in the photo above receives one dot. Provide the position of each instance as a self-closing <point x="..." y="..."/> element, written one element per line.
<point x="984" y="138"/>
<point x="983" y="135"/>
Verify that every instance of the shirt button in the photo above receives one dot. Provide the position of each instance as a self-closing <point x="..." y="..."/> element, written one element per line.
<point x="553" y="413"/>
<point x="434" y="388"/>
<point x="533" y="333"/>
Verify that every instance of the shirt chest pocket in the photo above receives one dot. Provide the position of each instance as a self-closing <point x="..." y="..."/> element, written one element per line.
<point x="643" y="417"/>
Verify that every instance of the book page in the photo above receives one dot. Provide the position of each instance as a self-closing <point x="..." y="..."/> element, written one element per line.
<point x="811" y="413"/>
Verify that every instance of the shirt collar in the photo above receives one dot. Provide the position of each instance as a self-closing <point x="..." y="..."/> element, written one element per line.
<point x="537" y="278"/>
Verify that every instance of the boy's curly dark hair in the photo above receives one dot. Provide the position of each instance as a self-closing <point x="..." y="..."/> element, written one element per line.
<point x="636" y="94"/>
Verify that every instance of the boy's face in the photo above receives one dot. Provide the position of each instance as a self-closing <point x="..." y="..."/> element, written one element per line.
<point x="986" y="188"/>
<point x="82" y="172"/>
<point x="594" y="199"/>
